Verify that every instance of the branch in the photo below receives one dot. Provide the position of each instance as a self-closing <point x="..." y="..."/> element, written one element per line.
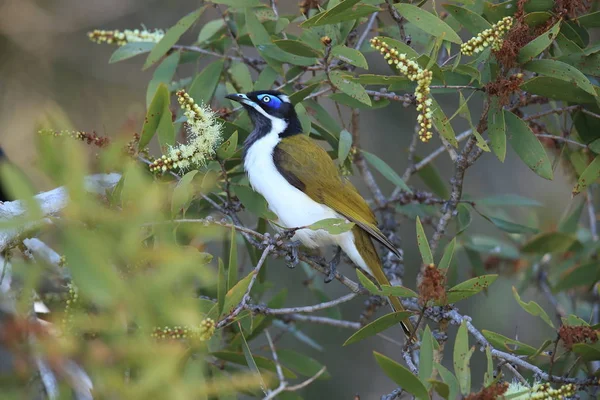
<point x="322" y="321"/>
<point x="305" y="309"/>
<point x="231" y="316"/>
<point x="50" y="203"/>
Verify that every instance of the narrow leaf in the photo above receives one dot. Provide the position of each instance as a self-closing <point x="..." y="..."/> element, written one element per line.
<point x="460" y="359"/>
<point x="533" y="308"/>
<point x="350" y="56"/>
<point x="250" y="361"/>
<point x="341" y="81"/>
<point x="402" y="376"/>
<point x="507" y="344"/>
<point x="130" y="50"/>
<point x="385" y="170"/>
<point x="539" y="44"/>
<point x="424" y="249"/>
<point x="450" y="380"/>
<point x="428" y="22"/>
<point x="497" y="129"/>
<point x="377" y="326"/>
<point x="367" y="283"/>
<point x="172" y="36"/>
<point x="549" y="242"/>
<point x="527" y="146"/>
<point x="447" y="256"/>
<point x="344" y="146"/>
<point x="470" y="288"/>
<point x="426" y="356"/>
<point x="560" y="70"/>
<point x="205" y="83"/>
<point x="232" y="268"/>
<point x="158" y="110"/>
<point x="588" y="176"/>
<point x="334" y="226"/>
<point x="474" y="23"/>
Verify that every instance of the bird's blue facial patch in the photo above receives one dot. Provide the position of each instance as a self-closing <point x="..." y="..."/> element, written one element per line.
<point x="269" y="100"/>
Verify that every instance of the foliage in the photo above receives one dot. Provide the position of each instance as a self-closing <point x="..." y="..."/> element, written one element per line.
<point x="137" y="302"/>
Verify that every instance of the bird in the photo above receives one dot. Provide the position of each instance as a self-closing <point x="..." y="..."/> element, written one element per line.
<point x="302" y="185"/>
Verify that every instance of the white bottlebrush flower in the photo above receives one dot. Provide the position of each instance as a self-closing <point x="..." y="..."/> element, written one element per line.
<point x="121" y="38"/>
<point x="204" y="135"/>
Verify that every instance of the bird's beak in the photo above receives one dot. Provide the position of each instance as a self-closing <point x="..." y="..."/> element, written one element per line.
<point x="239" y="97"/>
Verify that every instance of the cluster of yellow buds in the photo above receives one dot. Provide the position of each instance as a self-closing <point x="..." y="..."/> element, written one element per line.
<point x="489" y="37"/>
<point x="121" y="38"/>
<point x="415" y="73"/>
<point x="540" y="391"/>
<point x="203" y="333"/>
<point x="90" y="138"/>
<point x="204" y="135"/>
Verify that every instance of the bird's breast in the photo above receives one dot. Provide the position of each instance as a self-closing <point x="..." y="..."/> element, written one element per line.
<point x="292" y="206"/>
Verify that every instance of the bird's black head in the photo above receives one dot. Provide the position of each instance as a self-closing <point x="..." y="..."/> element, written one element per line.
<point x="269" y="109"/>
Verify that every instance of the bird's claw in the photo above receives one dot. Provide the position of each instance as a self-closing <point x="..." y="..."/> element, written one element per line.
<point x="333" y="265"/>
<point x="292" y="259"/>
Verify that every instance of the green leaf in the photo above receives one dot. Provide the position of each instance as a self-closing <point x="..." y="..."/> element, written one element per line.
<point x="557" y="89"/>
<point x="205" y="83"/>
<point x="275" y="53"/>
<point x="379" y="325"/>
<point x="428" y="22"/>
<point x="241" y="77"/>
<point x="210" y="29"/>
<point x="402" y="376"/>
<point x="228" y="147"/>
<point x="338" y="13"/>
<point x="345" y="145"/>
<point x="163" y="74"/>
<point x="385" y="170"/>
<point x="464" y="218"/>
<point x="569" y="222"/>
<point x="474" y="23"/>
<point x="527" y="146"/>
<point x="470" y="288"/>
<point x="562" y="71"/>
<point x="182" y="194"/>
<point x="494" y="246"/>
<point x="533" y="308"/>
<point x="235" y="294"/>
<point x="130" y="50"/>
<point x="172" y="36"/>
<point x="441" y="123"/>
<point x="508" y="226"/>
<point x="297" y="47"/>
<point x="350" y="56"/>
<point x="157" y="112"/>
<point x="539" y="44"/>
<point x="508" y="200"/>
<point x="301" y="94"/>
<point x="488" y="377"/>
<point x="301" y="363"/>
<point x="426" y="356"/>
<point x="583" y="275"/>
<point x="587" y="352"/>
<point x="447" y="256"/>
<point x="397" y="291"/>
<point x="351" y="88"/>
<point x="588" y="176"/>
<point x="334" y="226"/>
<point x="461" y="359"/>
<point x="239" y="3"/>
<point x="450" y="380"/>
<point x="497" y="129"/>
<point x="253" y="201"/>
<point x="549" y="242"/>
<point x="591" y="20"/>
<point x="423" y="244"/>
<point x="507" y="344"/>
<point x="367" y="283"/>
<point x="256" y="30"/>
<point x="221" y="286"/>
<point x="440" y="388"/>
<point x="250" y="360"/>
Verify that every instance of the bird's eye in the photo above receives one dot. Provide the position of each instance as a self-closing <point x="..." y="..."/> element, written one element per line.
<point x="266" y="99"/>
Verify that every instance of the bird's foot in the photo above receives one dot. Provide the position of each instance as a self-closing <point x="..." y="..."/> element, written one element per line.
<point x="333" y="265"/>
<point x="292" y="258"/>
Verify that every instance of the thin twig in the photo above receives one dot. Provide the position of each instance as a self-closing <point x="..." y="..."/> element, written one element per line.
<point x="231" y="316"/>
<point x="365" y="33"/>
<point x="305" y="309"/>
<point x="322" y="321"/>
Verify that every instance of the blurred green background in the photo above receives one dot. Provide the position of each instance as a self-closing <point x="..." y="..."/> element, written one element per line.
<point x="49" y="69"/>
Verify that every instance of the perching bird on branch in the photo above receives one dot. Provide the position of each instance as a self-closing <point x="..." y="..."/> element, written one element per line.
<point x="302" y="185"/>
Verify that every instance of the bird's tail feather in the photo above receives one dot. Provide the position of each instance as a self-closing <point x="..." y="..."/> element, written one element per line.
<point x="367" y="250"/>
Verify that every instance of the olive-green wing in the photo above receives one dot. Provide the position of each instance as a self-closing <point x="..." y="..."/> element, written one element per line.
<point x="309" y="168"/>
